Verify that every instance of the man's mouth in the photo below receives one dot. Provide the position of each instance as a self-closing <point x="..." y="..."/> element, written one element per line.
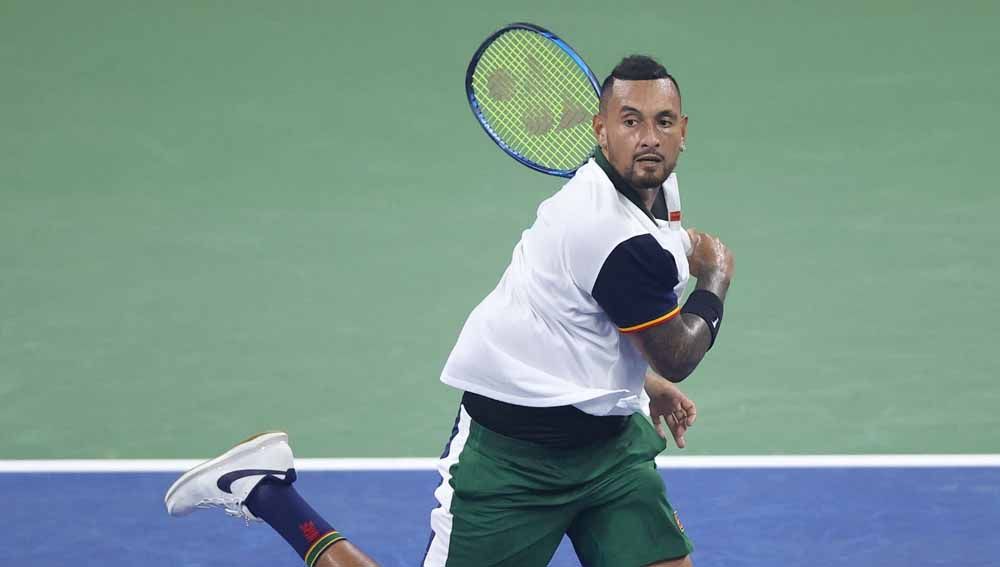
<point x="649" y="158"/>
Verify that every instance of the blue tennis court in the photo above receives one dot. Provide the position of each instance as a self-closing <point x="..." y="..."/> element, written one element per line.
<point x="883" y="517"/>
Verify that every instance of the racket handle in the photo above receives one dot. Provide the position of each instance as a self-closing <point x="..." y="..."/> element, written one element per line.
<point x="672" y="195"/>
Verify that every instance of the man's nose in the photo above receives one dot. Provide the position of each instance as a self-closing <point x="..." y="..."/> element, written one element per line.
<point x="648" y="137"/>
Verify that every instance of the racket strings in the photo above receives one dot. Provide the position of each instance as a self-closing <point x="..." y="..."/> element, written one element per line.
<point x="548" y="79"/>
<point x="536" y="99"/>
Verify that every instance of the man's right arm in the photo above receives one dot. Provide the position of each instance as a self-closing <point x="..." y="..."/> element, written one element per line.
<point x="675" y="347"/>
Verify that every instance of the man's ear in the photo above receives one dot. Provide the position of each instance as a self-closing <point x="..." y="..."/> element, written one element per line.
<point x="600" y="132"/>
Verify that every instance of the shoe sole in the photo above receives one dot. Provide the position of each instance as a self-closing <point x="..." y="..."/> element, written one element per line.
<point x="249" y="445"/>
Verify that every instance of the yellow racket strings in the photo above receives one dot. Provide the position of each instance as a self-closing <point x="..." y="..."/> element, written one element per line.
<point x="536" y="99"/>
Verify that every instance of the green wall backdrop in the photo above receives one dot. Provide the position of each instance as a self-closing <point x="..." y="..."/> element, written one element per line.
<point x="221" y="217"/>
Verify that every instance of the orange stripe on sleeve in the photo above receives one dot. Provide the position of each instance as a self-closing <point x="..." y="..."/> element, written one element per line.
<point x="662" y="319"/>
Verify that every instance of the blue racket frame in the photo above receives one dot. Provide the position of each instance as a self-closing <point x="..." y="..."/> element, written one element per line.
<point x="477" y="111"/>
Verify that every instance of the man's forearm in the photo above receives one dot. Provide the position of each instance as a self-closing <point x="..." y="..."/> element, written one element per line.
<point x="656" y="382"/>
<point x="676" y="359"/>
<point x="676" y="350"/>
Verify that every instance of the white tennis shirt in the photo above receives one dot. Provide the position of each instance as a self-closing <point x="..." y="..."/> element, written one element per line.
<point x="591" y="268"/>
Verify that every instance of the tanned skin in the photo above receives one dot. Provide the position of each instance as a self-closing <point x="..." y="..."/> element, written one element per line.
<point x="344" y="554"/>
<point x="641" y="129"/>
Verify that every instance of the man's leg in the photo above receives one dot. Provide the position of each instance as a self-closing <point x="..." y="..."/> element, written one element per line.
<point x="500" y="505"/>
<point x="346" y="554"/>
<point x="629" y="520"/>
<point x="253" y="480"/>
<point x="317" y="543"/>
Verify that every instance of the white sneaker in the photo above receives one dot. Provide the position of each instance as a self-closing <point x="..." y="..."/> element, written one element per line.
<point x="227" y="480"/>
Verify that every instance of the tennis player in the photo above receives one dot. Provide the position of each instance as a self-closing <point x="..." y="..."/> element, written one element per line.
<point x="550" y="438"/>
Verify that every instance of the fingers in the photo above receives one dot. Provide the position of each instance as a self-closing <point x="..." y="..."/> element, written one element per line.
<point x="679" y="414"/>
<point x="680" y="419"/>
<point x="686" y="239"/>
<point x="698" y="238"/>
<point x="677" y="430"/>
<point x="692" y="412"/>
<point x="658" y="424"/>
<point x="694" y="237"/>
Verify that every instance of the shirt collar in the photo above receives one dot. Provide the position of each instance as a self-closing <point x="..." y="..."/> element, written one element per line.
<point x="619" y="182"/>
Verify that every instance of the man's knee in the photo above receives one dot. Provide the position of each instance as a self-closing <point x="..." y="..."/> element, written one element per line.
<point x="682" y="562"/>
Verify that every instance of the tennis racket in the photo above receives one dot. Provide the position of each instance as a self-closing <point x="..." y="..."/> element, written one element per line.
<point x="534" y="96"/>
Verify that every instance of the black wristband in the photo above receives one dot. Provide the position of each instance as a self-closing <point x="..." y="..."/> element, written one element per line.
<point x="708" y="306"/>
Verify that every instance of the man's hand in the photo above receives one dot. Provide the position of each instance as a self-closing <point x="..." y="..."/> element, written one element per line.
<point x="668" y="403"/>
<point x="709" y="257"/>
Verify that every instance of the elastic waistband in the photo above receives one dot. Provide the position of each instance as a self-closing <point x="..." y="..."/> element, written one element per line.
<point x="482" y="437"/>
<point x="559" y="427"/>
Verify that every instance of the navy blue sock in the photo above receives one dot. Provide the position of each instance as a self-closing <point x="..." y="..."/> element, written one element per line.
<point x="280" y="505"/>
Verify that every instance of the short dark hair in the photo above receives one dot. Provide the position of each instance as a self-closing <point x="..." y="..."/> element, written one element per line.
<point x="636" y="68"/>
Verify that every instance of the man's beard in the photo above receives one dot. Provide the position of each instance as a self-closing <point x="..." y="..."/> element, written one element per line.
<point x="646" y="181"/>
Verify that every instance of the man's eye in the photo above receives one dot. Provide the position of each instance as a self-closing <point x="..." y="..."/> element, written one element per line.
<point x="631" y="122"/>
<point x="666" y="123"/>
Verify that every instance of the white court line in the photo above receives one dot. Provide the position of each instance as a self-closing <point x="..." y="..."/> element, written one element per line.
<point x="705" y="462"/>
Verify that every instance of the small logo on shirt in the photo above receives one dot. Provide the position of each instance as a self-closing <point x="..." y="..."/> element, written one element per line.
<point x="715" y="323"/>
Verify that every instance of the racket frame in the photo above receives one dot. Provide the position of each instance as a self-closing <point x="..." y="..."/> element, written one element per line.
<point x="477" y="111"/>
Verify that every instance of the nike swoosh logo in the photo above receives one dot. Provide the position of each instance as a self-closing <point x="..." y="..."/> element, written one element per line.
<point x="225" y="482"/>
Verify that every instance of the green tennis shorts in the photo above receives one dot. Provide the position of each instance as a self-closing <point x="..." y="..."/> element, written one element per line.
<point x="506" y="502"/>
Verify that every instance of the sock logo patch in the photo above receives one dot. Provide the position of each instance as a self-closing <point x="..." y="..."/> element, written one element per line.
<point x="309" y="531"/>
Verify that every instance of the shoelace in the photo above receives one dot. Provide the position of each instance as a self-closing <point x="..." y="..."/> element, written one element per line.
<point x="232" y="506"/>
